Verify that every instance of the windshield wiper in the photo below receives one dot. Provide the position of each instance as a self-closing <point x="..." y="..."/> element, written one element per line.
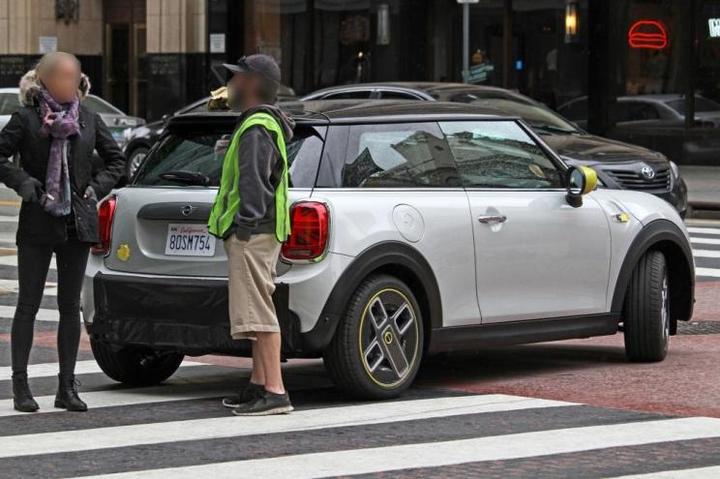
<point x="186" y="177"/>
<point x="544" y="127"/>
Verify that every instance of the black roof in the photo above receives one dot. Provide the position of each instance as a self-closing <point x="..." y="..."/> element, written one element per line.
<point x="360" y="111"/>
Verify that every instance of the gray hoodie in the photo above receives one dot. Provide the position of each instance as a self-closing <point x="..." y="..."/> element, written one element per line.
<point x="260" y="167"/>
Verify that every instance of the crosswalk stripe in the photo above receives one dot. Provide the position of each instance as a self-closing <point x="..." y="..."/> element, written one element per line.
<point x="445" y="453"/>
<point x="711" y="472"/>
<point x="706" y="253"/>
<point x="12" y="260"/>
<point x="128" y="397"/>
<point x="51" y="369"/>
<point x="12" y="286"/>
<point x="306" y="420"/>
<point x="701" y="230"/>
<point x="696" y="240"/>
<point x="707" y="272"/>
<point x="42" y="315"/>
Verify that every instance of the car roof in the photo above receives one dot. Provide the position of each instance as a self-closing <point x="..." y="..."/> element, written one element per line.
<point x="360" y="111"/>
<point x="433" y="89"/>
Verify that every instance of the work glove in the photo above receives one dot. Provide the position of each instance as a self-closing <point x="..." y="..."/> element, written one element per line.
<point x="30" y="190"/>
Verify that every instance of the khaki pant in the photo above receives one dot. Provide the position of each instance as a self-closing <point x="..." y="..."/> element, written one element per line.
<point x="250" y="288"/>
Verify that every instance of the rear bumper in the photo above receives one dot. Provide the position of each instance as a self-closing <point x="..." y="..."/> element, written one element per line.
<point x="186" y="315"/>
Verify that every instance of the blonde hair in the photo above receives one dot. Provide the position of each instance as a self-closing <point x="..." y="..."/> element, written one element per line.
<point x="50" y="61"/>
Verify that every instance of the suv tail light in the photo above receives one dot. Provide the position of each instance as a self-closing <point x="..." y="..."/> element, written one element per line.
<point x="106" y="213"/>
<point x="309" y="235"/>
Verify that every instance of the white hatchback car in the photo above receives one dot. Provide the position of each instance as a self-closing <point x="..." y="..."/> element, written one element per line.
<point x="416" y="228"/>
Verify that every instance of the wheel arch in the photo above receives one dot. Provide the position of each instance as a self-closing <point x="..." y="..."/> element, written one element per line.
<point x="666" y="237"/>
<point x="395" y="259"/>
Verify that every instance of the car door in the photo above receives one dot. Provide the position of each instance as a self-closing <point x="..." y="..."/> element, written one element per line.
<point x="535" y="255"/>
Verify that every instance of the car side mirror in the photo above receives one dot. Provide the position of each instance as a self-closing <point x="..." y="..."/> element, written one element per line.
<point x="581" y="180"/>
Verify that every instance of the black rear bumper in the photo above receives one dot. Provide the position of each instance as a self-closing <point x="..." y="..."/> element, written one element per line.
<point x="184" y="315"/>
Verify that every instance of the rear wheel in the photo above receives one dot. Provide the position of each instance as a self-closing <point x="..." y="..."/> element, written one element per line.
<point x="135" y="159"/>
<point x="646" y="320"/>
<point x="377" y="348"/>
<point x="135" y="366"/>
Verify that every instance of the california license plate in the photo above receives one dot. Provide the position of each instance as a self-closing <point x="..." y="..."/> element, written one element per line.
<point x="189" y="240"/>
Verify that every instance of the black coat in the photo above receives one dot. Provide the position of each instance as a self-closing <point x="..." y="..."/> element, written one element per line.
<point x="22" y="135"/>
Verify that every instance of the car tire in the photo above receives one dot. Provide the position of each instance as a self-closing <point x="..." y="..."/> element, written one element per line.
<point x="135" y="366"/>
<point x="134" y="159"/>
<point x="646" y="315"/>
<point x="365" y="358"/>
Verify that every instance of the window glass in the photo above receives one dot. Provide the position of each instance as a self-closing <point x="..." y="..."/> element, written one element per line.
<point x="398" y="95"/>
<point x="636" y="111"/>
<point x="398" y="156"/>
<point x="9" y="103"/>
<point x="576" y="110"/>
<point x="96" y="105"/>
<point x="348" y="95"/>
<point x="192" y="150"/>
<point x="499" y="154"/>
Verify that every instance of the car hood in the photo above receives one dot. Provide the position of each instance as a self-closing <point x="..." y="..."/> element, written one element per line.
<point x="590" y="149"/>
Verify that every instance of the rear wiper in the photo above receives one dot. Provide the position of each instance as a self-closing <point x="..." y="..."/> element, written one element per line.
<point x="186" y="177"/>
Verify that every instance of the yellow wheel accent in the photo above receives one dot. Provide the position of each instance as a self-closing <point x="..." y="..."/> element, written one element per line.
<point x="387" y="337"/>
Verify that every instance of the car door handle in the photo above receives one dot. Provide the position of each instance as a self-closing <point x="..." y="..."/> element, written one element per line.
<point x="489" y="219"/>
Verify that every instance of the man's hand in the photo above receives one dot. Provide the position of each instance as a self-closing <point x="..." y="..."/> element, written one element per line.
<point x="90" y="193"/>
<point x="30" y="190"/>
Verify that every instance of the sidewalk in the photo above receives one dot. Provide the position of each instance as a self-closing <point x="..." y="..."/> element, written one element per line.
<point x="703" y="186"/>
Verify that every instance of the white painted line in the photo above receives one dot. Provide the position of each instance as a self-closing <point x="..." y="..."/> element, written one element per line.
<point x="12" y="286"/>
<point x="712" y="472"/>
<point x="8" y="218"/>
<point x="436" y="454"/>
<point x="199" y="429"/>
<point x="696" y="240"/>
<point x="52" y="369"/>
<point x="43" y="314"/>
<point x="167" y="392"/>
<point x="707" y="272"/>
<point x="12" y="260"/>
<point x="703" y="231"/>
<point x="706" y="253"/>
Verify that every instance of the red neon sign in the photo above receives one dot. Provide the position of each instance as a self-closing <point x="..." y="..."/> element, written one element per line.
<point x="648" y="34"/>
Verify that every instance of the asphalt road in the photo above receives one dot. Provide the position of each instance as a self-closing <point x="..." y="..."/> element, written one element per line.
<point x="565" y="409"/>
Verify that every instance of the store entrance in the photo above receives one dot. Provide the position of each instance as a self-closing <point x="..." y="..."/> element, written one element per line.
<point x="124" y="54"/>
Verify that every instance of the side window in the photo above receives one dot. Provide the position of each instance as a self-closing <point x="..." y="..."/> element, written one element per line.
<point x="636" y="111"/>
<point x="349" y="95"/>
<point x="304" y="152"/>
<point x="499" y="154"/>
<point x="398" y="95"/>
<point x="400" y="155"/>
<point x="9" y="103"/>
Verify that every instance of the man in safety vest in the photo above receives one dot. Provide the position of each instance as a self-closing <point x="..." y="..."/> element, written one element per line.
<point x="251" y="215"/>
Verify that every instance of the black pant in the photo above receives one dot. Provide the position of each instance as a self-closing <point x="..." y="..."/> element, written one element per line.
<point x="33" y="265"/>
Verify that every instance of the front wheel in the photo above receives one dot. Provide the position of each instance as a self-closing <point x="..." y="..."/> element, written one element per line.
<point x="377" y="348"/>
<point x="135" y="366"/>
<point x="646" y="316"/>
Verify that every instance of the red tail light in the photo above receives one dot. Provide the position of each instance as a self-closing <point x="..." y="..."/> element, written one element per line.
<point x="309" y="235"/>
<point x="106" y="212"/>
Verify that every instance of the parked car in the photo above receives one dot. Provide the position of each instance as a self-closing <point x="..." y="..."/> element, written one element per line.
<point x="619" y="165"/>
<point x="114" y="118"/>
<point x="141" y="139"/>
<point x="416" y="228"/>
<point x="658" y="122"/>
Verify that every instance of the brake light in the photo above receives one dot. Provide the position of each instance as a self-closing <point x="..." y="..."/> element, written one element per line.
<point x="309" y="231"/>
<point x="106" y="213"/>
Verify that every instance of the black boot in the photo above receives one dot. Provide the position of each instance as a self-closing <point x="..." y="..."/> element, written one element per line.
<point x="67" y="395"/>
<point x="22" y="397"/>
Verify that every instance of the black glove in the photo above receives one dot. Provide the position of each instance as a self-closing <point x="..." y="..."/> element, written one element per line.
<point x="30" y="190"/>
<point x="90" y="193"/>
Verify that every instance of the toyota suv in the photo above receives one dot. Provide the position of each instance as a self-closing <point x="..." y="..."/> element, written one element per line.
<point x="416" y="228"/>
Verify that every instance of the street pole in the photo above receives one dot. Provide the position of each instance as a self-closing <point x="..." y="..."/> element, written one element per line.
<point x="466" y="41"/>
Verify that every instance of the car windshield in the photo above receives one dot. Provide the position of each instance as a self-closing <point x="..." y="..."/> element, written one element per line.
<point x="97" y="105"/>
<point x="537" y="116"/>
<point x="702" y="105"/>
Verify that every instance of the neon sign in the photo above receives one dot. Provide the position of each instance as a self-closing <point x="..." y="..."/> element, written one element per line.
<point x="648" y="34"/>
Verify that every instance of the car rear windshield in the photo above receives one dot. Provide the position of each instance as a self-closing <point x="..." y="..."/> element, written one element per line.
<point x="200" y="152"/>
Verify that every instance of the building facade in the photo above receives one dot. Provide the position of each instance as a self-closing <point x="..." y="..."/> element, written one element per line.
<point x="150" y="57"/>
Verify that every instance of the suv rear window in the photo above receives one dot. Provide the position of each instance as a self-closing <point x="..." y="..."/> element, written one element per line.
<point x="190" y="149"/>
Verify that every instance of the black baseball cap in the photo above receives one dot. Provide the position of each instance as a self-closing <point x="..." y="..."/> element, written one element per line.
<point x="264" y="65"/>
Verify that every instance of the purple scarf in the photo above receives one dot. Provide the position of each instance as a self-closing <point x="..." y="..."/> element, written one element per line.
<point x="59" y="122"/>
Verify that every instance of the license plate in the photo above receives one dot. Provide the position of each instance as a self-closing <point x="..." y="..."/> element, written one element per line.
<point x="189" y="240"/>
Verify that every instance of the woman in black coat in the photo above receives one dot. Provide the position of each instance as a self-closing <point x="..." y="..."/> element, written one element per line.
<point x="54" y="136"/>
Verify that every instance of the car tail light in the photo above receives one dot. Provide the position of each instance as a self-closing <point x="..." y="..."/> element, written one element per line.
<point x="309" y="234"/>
<point x="106" y="213"/>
